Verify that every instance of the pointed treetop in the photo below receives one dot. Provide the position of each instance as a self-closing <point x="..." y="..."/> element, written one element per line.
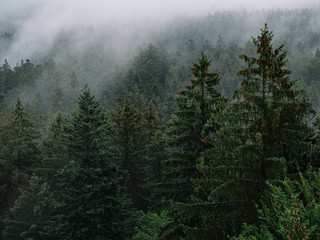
<point x="18" y="111"/>
<point x="85" y="95"/>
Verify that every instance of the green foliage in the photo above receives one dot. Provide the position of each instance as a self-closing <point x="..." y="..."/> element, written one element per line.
<point x="137" y="138"/>
<point x="221" y="160"/>
<point x="6" y="76"/>
<point x="198" y="105"/>
<point x="22" y="74"/>
<point x="130" y="138"/>
<point x="19" y="138"/>
<point x="54" y="151"/>
<point x="149" y="225"/>
<point x="19" y="153"/>
<point x="30" y="217"/>
<point x="149" y="71"/>
<point x="290" y="210"/>
<point x="254" y="233"/>
<point x="93" y="203"/>
<point x="262" y="137"/>
<point x="275" y="107"/>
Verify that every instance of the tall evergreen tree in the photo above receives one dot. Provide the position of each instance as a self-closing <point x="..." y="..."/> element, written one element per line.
<point x="129" y="141"/>
<point x="262" y="138"/>
<point x="149" y="71"/>
<point x="18" y="154"/>
<point x="54" y="151"/>
<point x="137" y="137"/>
<point x="30" y="217"/>
<point x="20" y="139"/>
<point x="93" y="203"/>
<point x="6" y="79"/>
<point x="37" y="112"/>
<point x="197" y="106"/>
<point x="194" y="120"/>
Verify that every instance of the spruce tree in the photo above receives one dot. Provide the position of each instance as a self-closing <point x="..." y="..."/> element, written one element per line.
<point x="290" y="211"/>
<point x="30" y="217"/>
<point x="198" y="105"/>
<point x="262" y="137"/>
<point x="20" y="139"/>
<point x="93" y="201"/>
<point x="137" y="138"/>
<point x="130" y="142"/>
<point x="19" y="153"/>
<point x="54" y="150"/>
<point x="6" y="79"/>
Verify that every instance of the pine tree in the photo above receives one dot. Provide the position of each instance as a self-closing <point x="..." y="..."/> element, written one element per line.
<point x="6" y="79"/>
<point x="149" y="72"/>
<point x="30" y="217"/>
<point x="57" y="100"/>
<point x="127" y="139"/>
<point x="290" y="211"/>
<point x="54" y="151"/>
<point x="156" y="146"/>
<point x="20" y="138"/>
<point x="277" y="113"/>
<point x="197" y="106"/>
<point x="137" y="139"/>
<point x="19" y="153"/>
<point x="92" y="187"/>
<point x="37" y="112"/>
<point x="263" y="137"/>
<point x="194" y="120"/>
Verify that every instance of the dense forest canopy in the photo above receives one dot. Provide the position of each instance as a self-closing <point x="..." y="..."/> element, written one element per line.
<point x="199" y="126"/>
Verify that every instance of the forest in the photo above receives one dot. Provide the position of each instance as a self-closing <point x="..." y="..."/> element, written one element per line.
<point x="205" y="129"/>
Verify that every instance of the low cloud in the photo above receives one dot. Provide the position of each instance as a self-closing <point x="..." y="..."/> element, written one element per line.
<point x="38" y="23"/>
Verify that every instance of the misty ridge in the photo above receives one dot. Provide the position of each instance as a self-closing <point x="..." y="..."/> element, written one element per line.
<point x="102" y="50"/>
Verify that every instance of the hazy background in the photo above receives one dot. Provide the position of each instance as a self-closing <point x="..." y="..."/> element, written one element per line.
<point x="104" y="42"/>
<point x="123" y="24"/>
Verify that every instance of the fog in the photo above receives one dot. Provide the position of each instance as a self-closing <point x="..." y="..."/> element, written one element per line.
<point x="37" y="24"/>
<point x="99" y="39"/>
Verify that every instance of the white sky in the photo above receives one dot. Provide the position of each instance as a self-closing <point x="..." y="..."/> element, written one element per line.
<point x="99" y="10"/>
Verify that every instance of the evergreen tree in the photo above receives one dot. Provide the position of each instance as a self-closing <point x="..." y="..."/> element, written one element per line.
<point x="149" y="226"/>
<point x="57" y="100"/>
<point x="26" y="73"/>
<point x="197" y="106"/>
<point x="6" y="79"/>
<point x="156" y="145"/>
<point x="18" y="154"/>
<point x="92" y="187"/>
<point x="54" y="151"/>
<point x="20" y="138"/>
<point x="30" y="217"/>
<point x="129" y="140"/>
<point x="220" y="47"/>
<point x="149" y="72"/>
<point x="37" y="112"/>
<point x="263" y="137"/>
<point x="194" y="120"/>
<point x="290" y="211"/>
<point x="137" y="137"/>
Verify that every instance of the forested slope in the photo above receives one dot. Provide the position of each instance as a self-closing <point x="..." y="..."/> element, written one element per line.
<point x="102" y="143"/>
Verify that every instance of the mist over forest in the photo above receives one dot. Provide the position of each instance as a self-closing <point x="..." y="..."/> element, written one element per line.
<point x="97" y="45"/>
<point x="159" y="120"/>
